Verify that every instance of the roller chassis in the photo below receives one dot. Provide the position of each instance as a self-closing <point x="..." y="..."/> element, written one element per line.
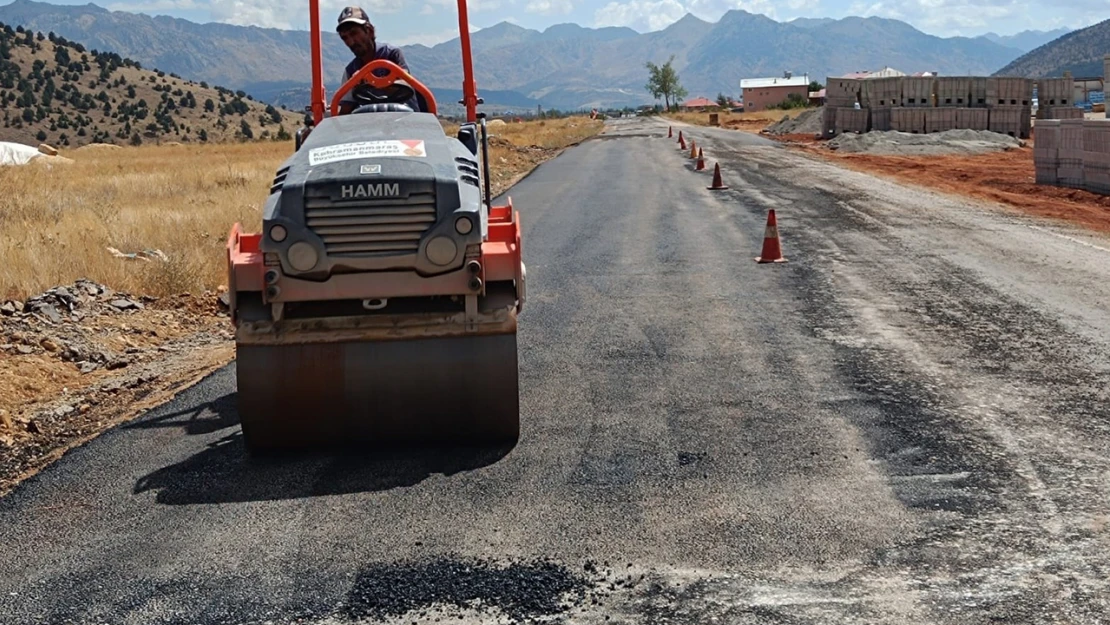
<point x="390" y="355"/>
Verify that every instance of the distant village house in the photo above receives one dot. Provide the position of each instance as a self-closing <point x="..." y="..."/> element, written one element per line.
<point x="762" y="93"/>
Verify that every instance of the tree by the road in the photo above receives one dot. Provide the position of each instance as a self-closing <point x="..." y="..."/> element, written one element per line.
<point x="663" y="83"/>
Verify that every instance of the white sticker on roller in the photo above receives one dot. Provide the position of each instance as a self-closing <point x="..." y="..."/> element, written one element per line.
<point x="365" y="149"/>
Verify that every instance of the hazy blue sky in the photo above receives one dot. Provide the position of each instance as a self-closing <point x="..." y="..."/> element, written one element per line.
<point x="433" y="21"/>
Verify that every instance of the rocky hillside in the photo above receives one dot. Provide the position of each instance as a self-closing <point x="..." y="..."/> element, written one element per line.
<point x="565" y="66"/>
<point x="58" y="92"/>
<point x="1079" y="52"/>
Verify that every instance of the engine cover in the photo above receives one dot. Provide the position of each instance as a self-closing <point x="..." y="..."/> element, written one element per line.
<point x="378" y="191"/>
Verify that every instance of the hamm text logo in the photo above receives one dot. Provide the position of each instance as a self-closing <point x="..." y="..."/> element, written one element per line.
<point x="371" y="190"/>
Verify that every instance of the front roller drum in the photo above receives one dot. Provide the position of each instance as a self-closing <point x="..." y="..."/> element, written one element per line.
<point x="428" y="391"/>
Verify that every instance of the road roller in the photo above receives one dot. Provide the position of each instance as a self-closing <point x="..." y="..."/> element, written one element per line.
<point x="378" y="304"/>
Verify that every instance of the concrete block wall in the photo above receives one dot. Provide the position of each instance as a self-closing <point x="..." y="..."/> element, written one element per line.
<point x="917" y="91"/>
<point x="1058" y="112"/>
<point x="908" y="119"/>
<point x="1010" y="120"/>
<point x="1074" y="153"/>
<point x="1009" y="92"/>
<point x="842" y="92"/>
<point x="1069" y="168"/>
<point x="1055" y="92"/>
<point x="1046" y="151"/>
<point x="973" y="118"/>
<point x="881" y="92"/>
<point x="828" y="121"/>
<point x="1096" y="155"/>
<point x="880" y="118"/>
<point x="978" y="98"/>
<point x="939" y="119"/>
<point x="973" y="102"/>
<point x="953" y="91"/>
<point x="853" y="120"/>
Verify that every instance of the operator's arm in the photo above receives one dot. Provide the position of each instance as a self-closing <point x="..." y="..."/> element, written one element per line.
<point x="347" y="102"/>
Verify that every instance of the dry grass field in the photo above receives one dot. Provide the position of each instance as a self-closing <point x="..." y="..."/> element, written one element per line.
<point x="57" y="224"/>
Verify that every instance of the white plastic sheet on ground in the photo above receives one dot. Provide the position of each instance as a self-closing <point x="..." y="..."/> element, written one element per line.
<point x="17" y="153"/>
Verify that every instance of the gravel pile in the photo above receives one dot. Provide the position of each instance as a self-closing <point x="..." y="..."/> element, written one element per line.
<point x="520" y="591"/>
<point x="808" y="122"/>
<point x="907" y="144"/>
<point x="58" y="321"/>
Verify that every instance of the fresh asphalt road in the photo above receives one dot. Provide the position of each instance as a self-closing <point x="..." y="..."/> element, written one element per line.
<point x="906" y="423"/>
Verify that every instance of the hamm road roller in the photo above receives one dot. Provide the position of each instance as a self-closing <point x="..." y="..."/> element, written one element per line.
<point x="379" y="302"/>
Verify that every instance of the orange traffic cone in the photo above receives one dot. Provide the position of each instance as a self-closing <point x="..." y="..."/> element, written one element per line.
<point x="772" y="250"/>
<point x="670" y="132"/>
<point x="693" y="149"/>
<point x="681" y="141"/>
<point x="701" y="160"/>
<point x="718" y="184"/>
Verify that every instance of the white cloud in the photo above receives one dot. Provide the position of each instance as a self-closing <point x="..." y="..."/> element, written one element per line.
<point x="641" y="15"/>
<point x="948" y="18"/>
<point x="551" y="7"/>
<point x="280" y="13"/>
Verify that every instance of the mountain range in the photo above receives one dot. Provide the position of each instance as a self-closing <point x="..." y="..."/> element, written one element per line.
<point x="566" y="66"/>
<point x="1027" y="40"/>
<point x="1079" y="52"/>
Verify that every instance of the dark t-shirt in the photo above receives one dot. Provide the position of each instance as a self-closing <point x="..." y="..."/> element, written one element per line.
<point x="385" y="52"/>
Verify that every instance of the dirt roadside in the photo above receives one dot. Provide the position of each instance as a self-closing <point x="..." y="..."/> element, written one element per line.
<point x="81" y="358"/>
<point x="1005" y="177"/>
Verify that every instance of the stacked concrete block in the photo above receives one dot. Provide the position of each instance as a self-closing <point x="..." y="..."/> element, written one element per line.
<point x="1059" y="112"/>
<point x="1069" y="169"/>
<point x="908" y="119"/>
<point x="1046" y="151"/>
<point x="917" y="91"/>
<point x="978" y="97"/>
<point x="1055" y="92"/>
<point x="939" y="119"/>
<point x="842" y="92"/>
<point x="973" y="118"/>
<point x="853" y="120"/>
<point x="828" y="121"/>
<point x="882" y="92"/>
<point x="880" y="118"/>
<point x="1096" y="155"/>
<point x="1004" y="120"/>
<point x="953" y="91"/>
<point x="1009" y="92"/>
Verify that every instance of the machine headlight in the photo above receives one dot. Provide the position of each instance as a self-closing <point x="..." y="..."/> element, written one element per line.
<point x="463" y="225"/>
<point x="303" y="256"/>
<point x="278" y="233"/>
<point x="442" y="250"/>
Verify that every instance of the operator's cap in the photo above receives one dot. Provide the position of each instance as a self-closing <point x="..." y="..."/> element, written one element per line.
<point x="352" y="15"/>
